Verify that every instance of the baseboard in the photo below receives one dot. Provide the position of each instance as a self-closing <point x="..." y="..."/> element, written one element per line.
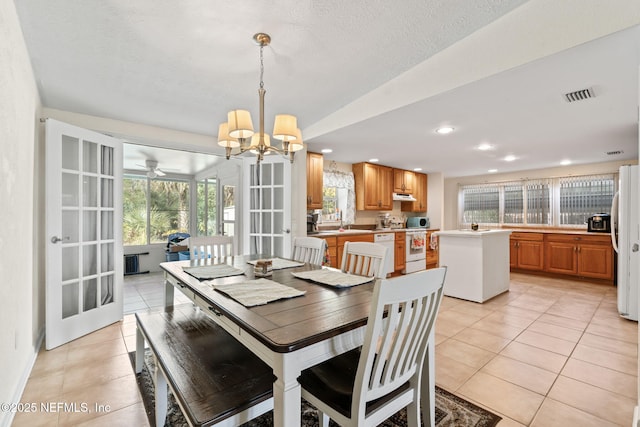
<point x="6" y="418"/>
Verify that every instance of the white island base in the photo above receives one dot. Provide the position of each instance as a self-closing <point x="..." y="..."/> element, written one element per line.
<point x="477" y="263"/>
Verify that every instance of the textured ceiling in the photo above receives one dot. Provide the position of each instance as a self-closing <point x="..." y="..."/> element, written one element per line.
<point x="183" y="65"/>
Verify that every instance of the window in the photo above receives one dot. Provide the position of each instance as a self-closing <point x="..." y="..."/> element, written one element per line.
<point x="153" y="209"/>
<point x="565" y="201"/>
<point x="583" y="196"/>
<point x="206" y="207"/>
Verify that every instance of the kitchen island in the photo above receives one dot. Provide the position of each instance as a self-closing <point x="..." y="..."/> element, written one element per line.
<point x="477" y="263"/>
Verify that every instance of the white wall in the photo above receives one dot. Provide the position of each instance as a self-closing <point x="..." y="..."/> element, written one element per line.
<point x="21" y="258"/>
<point x="451" y="184"/>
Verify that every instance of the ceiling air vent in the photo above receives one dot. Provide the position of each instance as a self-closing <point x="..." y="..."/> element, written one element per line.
<point x="614" y="152"/>
<point x="579" y="95"/>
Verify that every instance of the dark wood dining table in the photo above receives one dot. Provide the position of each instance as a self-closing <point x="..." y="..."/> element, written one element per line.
<point x="288" y="334"/>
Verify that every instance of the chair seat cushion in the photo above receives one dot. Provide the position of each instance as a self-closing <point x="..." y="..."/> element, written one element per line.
<point x="332" y="382"/>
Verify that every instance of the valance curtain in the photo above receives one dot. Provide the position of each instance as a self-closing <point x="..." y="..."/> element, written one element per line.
<point x="343" y="180"/>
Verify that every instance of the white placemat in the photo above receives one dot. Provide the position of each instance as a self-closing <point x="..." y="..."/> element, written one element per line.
<point x="280" y="263"/>
<point x="332" y="277"/>
<point x="257" y="292"/>
<point x="208" y="272"/>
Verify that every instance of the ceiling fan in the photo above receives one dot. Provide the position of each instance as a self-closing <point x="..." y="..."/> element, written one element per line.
<point x="152" y="168"/>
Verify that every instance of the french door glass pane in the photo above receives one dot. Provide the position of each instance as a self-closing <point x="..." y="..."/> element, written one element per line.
<point x="106" y="192"/>
<point x="89" y="157"/>
<point x="70" y="295"/>
<point x="106" y="258"/>
<point x="106" y="224"/>
<point x="71" y="263"/>
<point x="69" y="153"/>
<point x="89" y="226"/>
<point x="70" y="189"/>
<point x="106" y="289"/>
<point x="70" y="226"/>
<point x="90" y="191"/>
<point x="89" y="260"/>
<point x="89" y="294"/>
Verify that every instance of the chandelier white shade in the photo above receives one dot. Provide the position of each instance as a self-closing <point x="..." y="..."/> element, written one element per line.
<point x="239" y="127"/>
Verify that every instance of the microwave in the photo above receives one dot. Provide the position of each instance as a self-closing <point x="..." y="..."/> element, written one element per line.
<point x="418" y="222"/>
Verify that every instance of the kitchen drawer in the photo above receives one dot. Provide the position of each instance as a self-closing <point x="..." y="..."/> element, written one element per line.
<point x="527" y="236"/>
<point x="579" y="238"/>
<point x="217" y="316"/>
<point x="368" y="237"/>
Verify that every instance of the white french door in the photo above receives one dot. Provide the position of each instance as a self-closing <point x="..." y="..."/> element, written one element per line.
<point x="267" y="206"/>
<point x="83" y="231"/>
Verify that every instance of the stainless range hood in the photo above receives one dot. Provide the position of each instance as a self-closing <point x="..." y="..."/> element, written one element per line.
<point x="404" y="197"/>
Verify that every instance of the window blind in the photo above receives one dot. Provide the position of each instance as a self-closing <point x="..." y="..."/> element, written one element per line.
<point x="583" y="196"/>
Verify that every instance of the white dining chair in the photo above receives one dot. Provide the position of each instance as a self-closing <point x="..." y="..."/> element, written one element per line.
<point x="388" y="368"/>
<point x="210" y="247"/>
<point x="309" y="249"/>
<point x="364" y="259"/>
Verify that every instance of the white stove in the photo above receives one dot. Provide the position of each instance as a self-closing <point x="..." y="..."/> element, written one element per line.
<point x="416" y="250"/>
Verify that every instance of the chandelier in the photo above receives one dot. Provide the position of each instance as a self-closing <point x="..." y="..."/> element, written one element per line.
<point x="237" y="131"/>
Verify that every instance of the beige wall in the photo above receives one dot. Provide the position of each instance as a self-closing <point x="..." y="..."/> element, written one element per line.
<point x="450" y="202"/>
<point x="21" y="289"/>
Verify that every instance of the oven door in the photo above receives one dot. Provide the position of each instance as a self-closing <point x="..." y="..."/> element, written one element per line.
<point x="416" y="246"/>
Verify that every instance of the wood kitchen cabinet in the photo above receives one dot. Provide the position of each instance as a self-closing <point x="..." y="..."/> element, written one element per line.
<point x="374" y="185"/>
<point x="403" y="181"/>
<point x="526" y="251"/>
<point x="314" y="180"/>
<point x="579" y="255"/>
<point x="419" y="193"/>
<point x="400" y="253"/>
<point x="332" y="250"/>
<point x="432" y="252"/>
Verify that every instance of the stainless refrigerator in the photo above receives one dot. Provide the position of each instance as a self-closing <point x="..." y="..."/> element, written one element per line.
<point x="625" y="236"/>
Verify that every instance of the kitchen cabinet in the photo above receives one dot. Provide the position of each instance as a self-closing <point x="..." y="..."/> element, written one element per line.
<point x="419" y="193"/>
<point x="579" y="255"/>
<point x="314" y="180"/>
<point x="526" y="251"/>
<point x="403" y="181"/>
<point x="341" y="240"/>
<point x="374" y="185"/>
<point x="332" y="250"/>
<point x="432" y="252"/>
<point x="400" y="251"/>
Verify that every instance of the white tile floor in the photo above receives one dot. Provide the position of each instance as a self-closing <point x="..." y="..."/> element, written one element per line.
<point x="549" y="353"/>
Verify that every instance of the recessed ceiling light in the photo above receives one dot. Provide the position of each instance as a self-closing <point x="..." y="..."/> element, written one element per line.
<point x="485" y="146"/>
<point x="417" y="169"/>
<point x="374" y="160"/>
<point x="327" y="150"/>
<point x="565" y="162"/>
<point x="510" y="158"/>
<point x="444" y="130"/>
<point x="492" y="170"/>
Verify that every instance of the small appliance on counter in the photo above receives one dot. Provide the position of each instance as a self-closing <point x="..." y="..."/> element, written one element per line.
<point x="312" y="223"/>
<point x="418" y="222"/>
<point x="384" y="221"/>
<point x="599" y="223"/>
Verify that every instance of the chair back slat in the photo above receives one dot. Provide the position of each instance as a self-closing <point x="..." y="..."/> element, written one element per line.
<point x="309" y="249"/>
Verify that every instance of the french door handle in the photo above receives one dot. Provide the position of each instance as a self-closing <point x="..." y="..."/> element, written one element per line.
<point x="56" y="239"/>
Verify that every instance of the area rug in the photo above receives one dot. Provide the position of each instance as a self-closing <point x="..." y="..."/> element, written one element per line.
<point x="451" y="410"/>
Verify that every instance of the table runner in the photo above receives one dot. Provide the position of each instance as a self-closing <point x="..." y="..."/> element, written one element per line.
<point x="257" y="292"/>
<point x="333" y="277"/>
<point x="280" y="263"/>
<point x="208" y="272"/>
